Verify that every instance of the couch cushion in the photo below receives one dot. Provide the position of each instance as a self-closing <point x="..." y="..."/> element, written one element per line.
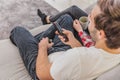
<point x="11" y="64"/>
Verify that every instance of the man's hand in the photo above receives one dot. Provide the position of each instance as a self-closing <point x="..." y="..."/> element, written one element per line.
<point x="77" y="26"/>
<point x="44" y="43"/>
<point x="42" y="63"/>
<point x="72" y="41"/>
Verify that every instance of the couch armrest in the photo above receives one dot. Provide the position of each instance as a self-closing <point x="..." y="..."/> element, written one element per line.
<point x="40" y="29"/>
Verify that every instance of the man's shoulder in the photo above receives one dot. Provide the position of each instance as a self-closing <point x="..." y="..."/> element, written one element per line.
<point x="83" y="52"/>
<point x="72" y="61"/>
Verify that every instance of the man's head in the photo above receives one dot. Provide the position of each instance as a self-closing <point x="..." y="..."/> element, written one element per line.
<point x="105" y="23"/>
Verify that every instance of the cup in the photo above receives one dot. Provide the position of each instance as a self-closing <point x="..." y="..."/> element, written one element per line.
<point x="84" y="22"/>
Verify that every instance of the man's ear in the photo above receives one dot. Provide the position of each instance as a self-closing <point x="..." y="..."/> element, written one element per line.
<point x="101" y="34"/>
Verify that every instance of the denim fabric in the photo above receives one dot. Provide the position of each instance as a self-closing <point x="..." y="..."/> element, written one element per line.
<point x="73" y="11"/>
<point x="64" y="21"/>
<point x="28" y="44"/>
<point x="28" y="48"/>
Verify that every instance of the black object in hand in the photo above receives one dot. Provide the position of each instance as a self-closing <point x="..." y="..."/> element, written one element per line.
<point x="60" y="31"/>
<point x="50" y="40"/>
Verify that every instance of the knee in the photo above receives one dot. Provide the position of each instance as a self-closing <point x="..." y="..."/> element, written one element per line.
<point x="14" y="34"/>
<point x="74" y="7"/>
<point x="66" y="20"/>
<point x="67" y="17"/>
<point x="17" y="29"/>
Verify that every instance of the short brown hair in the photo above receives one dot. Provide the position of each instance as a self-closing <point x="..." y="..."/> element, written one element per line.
<point x="109" y="21"/>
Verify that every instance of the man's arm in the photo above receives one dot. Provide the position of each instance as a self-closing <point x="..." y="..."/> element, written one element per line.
<point x="42" y="63"/>
<point x="72" y="41"/>
<point x="86" y="39"/>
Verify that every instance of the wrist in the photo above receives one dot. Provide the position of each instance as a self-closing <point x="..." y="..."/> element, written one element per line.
<point x="75" y="43"/>
<point x="43" y="48"/>
<point x="80" y="30"/>
<point x="80" y="33"/>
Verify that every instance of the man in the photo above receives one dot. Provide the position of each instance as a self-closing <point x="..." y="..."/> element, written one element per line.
<point x="78" y="63"/>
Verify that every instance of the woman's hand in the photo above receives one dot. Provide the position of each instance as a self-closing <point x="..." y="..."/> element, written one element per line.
<point x="44" y="43"/>
<point x="72" y="41"/>
<point x="77" y="26"/>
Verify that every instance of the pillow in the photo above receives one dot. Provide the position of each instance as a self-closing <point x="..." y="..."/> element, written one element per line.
<point x="113" y="74"/>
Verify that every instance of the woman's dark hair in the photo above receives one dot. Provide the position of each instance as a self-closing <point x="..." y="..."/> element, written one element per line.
<point x="109" y="21"/>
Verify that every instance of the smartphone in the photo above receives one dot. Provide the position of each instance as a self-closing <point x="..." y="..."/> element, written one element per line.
<point x="60" y="31"/>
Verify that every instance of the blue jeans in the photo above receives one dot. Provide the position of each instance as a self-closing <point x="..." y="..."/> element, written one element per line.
<point x="28" y="44"/>
<point x="74" y="11"/>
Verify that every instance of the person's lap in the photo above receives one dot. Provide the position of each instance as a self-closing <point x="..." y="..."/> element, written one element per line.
<point x="65" y="22"/>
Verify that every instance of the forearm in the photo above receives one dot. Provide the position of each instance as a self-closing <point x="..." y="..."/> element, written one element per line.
<point x="75" y="43"/>
<point x="43" y="65"/>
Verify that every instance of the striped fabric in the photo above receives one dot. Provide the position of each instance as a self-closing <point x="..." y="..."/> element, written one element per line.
<point x="86" y="39"/>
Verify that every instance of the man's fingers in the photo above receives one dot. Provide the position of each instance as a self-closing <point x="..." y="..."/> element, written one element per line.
<point x="50" y="44"/>
<point x="61" y="37"/>
<point x="77" y="21"/>
<point x="44" y="39"/>
<point x="56" y="32"/>
<point x="66" y="31"/>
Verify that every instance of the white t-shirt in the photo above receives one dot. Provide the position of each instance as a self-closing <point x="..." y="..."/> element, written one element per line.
<point x="81" y="63"/>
